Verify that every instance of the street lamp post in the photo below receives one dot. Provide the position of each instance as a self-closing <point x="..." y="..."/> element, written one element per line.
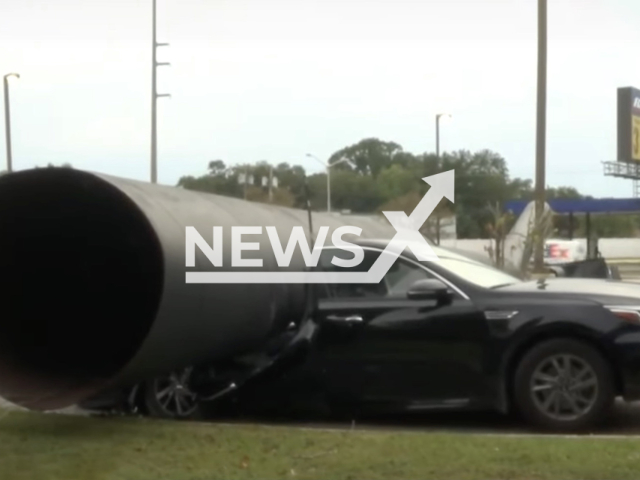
<point x="155" y="95"/>
<point x="438" y="117"/>
<point x="7" y="119"/>
<point x="328" y="166"/>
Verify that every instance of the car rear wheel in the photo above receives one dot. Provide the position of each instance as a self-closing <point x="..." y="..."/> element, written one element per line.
<point x="170" y="396"/>
<point x="564" y="385"/>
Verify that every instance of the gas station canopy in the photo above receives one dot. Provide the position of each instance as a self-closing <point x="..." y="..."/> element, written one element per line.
<point x="578" y="206"/>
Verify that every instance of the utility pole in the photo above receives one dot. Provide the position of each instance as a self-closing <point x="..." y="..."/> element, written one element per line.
<point x="154" y="96"/>
<point x="7" y="119"/>
<point x="540" y="194"/>
<point x="328" y="166"/>
<point x="438" y="117"/>
<point x="438" y="136"/>
<point x="246" y="180"/>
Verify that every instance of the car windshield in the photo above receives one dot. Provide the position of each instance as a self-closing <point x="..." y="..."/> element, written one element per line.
<point x="477" y="273"/>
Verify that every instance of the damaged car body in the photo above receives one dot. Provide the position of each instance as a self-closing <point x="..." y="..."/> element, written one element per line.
<point x="456" y="334"/>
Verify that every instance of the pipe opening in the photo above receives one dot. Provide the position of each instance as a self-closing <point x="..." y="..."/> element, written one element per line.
<point x="81" y="278"/>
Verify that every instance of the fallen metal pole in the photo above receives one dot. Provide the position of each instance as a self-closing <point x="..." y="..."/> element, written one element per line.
<point x="92" y="282"/>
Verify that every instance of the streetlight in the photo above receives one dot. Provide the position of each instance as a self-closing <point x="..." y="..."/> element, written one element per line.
<point x="7" y="118"/>
<point x="155" y="95"/>
<point x="328" y="166"/>
<point x="438" y="117"/>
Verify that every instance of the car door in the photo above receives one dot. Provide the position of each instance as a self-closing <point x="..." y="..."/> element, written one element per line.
<point x="375" y="344"/>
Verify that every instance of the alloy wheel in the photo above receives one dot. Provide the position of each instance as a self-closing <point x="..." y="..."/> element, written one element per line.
<point x="174" y="396"/>
<point x="564" y="387"/>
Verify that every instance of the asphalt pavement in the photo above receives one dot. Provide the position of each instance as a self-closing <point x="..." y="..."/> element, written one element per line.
<point x="629" y="271"/>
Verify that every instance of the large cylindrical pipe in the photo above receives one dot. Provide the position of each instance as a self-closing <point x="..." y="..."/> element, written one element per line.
<point x="92" y="282"/>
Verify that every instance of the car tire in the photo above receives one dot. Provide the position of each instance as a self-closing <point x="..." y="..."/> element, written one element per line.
<point x="168" y="397"/>
<point x="552" y="397"/>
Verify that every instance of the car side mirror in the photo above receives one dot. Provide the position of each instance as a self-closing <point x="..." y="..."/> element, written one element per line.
<point x="428" y="289"/>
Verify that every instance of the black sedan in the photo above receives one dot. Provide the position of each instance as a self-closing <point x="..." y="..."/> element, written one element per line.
<point x="457" y="334"/>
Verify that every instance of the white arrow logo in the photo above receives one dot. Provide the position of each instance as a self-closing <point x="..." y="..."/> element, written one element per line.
<point x="407" y="235"/>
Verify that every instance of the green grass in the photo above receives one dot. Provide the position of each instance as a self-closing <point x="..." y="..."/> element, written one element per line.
<point x="38" y="447"/>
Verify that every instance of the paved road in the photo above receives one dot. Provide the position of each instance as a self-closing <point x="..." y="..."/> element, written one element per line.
<point x="630" y="271"/>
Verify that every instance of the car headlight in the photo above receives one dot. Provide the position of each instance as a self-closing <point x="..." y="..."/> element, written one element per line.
<point x="628" y="314"/>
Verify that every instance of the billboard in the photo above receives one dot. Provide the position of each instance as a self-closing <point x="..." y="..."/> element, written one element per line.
<point x="628" y="124"/>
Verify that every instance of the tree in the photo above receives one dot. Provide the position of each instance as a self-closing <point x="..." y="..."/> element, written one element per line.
<point x="402" y="203"/>
<point x="544" y="228"/>
<point x="217" y="167"/>
<point x="384" y="177"/>
<point x="280" y="196"/>
<point x="292" y="179"/>
<point x="481" y="178"/>
<point x="219" y="180"/>
<point x="498" y="229"/>
<point x="349" y="191"/>
<point x="51" y="165"/>
<point x="396" y="180"/>
<point x="224" y="180"/>
<point x="563" y="192"/>
<point x="602" y="225"/>
<point x="370" y="156"/>
<point x="610" y="225"/>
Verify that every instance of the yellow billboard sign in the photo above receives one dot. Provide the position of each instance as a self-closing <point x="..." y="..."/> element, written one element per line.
<point x="628" y="134"/>
<point x="635" y="138"/>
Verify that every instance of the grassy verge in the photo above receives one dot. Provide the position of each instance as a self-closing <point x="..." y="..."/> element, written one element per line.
<point x="55" y="447"/>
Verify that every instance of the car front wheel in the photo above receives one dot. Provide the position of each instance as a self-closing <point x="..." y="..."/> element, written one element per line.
<point x="171" y="397"/>
<point x="564" y="385"/>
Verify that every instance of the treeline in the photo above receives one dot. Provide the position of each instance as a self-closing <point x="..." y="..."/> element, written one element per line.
<point x="383" y="176"/>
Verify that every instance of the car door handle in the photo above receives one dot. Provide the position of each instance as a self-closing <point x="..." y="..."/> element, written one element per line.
<point x="347" y="319"/>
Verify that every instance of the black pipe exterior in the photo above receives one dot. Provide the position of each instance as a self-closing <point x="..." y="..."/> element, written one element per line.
<point x="92" y="282"/>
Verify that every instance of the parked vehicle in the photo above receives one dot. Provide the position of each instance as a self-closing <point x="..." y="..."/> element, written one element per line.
<point x="590" y="268"/>
<point x="453" y="334"/>
<point x="558" y="251"/>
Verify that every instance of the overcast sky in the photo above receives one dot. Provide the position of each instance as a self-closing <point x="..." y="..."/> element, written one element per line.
<point x="258" y="79"/>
